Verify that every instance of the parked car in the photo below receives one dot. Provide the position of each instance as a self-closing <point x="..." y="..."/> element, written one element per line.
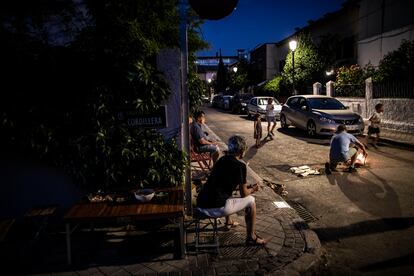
<point x="222" y="101"/>
<point x="227" y="99"/>
<point x="217" y="100"/>
<point x="206" y="99"/>
<point x="258" y="105"/>
<point x="239" y="103"/>
<point x="319" y="115"/>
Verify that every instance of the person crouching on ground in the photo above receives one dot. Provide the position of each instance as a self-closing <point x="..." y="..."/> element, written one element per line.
<point x="201" y="139"/>
<point x="340" y="150"/>
<point x="215" y="197"/>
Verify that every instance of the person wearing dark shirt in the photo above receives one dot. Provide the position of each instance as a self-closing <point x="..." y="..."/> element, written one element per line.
<point x="201" y="139"/>
<point x="215" y="198"/>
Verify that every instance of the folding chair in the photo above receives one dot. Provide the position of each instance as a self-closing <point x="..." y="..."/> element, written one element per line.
<point x="205" y="223"/>
<point x="40" y="215"/>
<point x="203" y="159"/>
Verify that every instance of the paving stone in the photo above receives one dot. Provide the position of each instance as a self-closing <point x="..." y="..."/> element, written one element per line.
<point x="69" y="273"/>
<point x="90" y="271"/>
<point x="109" y="270"/>
<point x="138" y="269"/>
<point x="220" y="269"/>
<point x="120" y="273"/>
<point x="186" y="273"/>
<point x="202" y="260"/>
<point x="179" y="264"/>
<point x="160" y="267"/>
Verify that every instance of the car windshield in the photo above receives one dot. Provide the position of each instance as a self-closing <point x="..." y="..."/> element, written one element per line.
<point x="263" y="101"/>
<point x="325" y="103"/>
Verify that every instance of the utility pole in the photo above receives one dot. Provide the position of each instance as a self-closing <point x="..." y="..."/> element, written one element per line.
<point x="185" y="133"/>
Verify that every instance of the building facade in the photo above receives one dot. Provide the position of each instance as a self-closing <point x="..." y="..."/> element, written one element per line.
<point x="364" y="31"/>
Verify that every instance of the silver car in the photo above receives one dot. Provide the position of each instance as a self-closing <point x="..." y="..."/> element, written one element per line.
<point x="258" y="105"/>
<point x="319" y="115"/>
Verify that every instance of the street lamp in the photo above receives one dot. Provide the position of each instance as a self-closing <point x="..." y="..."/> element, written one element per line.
<point x="329" y="72"/>
<point x="292" y="46"/>
<point x="235" y="69"/>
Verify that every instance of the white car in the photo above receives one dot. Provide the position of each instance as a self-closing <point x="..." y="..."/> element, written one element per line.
<point x="258" y="105"/>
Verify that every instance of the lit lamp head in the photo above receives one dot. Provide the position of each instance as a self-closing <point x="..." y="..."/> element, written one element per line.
<point x="209" y="80"/>
<point x="235" y="69"/>
<point x="330" y="72"/>
<point x="292" y="45"/>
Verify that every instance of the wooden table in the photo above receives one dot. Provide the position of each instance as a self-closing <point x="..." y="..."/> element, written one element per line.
<point x="171" y="208"/>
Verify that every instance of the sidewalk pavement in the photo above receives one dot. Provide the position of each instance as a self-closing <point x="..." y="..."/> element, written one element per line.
<point x="396" y="137"/>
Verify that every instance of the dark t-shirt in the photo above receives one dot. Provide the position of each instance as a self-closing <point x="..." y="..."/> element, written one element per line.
<point x="226" y="175"/>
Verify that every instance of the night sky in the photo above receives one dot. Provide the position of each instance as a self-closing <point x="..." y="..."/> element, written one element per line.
<point x="259" y="21"/>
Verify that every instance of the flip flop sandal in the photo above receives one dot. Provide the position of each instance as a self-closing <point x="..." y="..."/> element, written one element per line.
<point x="232" y="224"/>
<point x="255" y="242"/>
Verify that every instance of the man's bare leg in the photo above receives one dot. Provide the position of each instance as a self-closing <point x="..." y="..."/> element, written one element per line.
<point x="250" y="217"/>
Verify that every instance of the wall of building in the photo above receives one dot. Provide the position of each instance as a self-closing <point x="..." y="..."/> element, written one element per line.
<point x="271" y="61"/>
<point x="264" y="62"/>
<point x="373" y="49"/>
<point x="382" y="26"/>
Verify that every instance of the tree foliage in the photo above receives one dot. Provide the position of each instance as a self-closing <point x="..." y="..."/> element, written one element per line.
<point x="307" y="64"/>
<point x="240" y="79"/>
<point x="397" y="65"/>
<point x="350" y="80"/>
<point x="67" y="77"/>
<point x="275" y="87"/>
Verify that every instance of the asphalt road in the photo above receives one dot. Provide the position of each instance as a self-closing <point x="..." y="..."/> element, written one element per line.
<point x="365" y="220"/>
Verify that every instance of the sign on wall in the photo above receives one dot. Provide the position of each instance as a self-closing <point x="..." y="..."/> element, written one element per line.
<point x="156" y="119"/>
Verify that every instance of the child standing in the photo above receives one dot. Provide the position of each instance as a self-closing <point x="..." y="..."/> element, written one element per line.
<point x="270" y="118"/>
<point x="375" y="120"/>
<point x="257" y="129"/>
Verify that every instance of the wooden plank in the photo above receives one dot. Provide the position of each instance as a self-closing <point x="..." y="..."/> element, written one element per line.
<point x="173" y="207"/>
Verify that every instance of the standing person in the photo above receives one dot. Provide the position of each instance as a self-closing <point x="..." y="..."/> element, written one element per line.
<point x="374" y="128"/>
<point x="270" y="118"/>
<point x="202" y="142"/>
<point x="341" y="151"/>
<point x="257" y="129"/>
<point x="215" y="198"/>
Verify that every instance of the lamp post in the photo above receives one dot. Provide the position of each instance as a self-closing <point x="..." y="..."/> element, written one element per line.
<point x="292" y="46"/>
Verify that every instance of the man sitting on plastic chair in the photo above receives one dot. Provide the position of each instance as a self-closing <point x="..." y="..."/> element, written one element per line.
<point x="215" y="197"/>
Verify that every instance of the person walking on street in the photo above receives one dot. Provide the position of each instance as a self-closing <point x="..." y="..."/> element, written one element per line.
<point x="340" y="150"/>
<point x="257" y="129"/>
<point x="202" y="142"/>
<point x="374" y="128"/>
<point x="270" y="118"/>
<point x="215" y="197"/>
